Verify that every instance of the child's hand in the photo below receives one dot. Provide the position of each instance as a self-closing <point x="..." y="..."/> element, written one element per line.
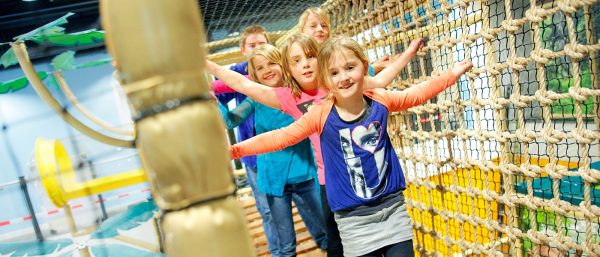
<point x="461" y="67"/>
<point x="412" y="49"/>
<point x="414" y="46"/>
<point x="380" y="64"/>
<point x="384" y="59"/>
<point x="233" y="152"/>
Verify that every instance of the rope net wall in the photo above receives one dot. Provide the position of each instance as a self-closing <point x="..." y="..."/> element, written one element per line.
<point x="506" y="162"/>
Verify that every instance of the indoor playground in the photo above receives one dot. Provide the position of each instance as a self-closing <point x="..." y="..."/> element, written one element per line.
<point x="112" y="144"/>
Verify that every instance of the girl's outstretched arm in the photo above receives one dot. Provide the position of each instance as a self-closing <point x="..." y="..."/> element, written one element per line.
<point x="422" y="92"/>
<point x="259" y="92"/>
<point x="279" y="139"/>
<point x="385" y="77"/>
<point x="239" y="114"/>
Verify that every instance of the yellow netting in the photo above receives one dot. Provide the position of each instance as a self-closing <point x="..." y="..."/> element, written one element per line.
<point x="505" y="163"/>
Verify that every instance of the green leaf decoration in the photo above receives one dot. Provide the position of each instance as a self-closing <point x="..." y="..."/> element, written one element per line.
<point x="8" y="58"/>
<point x="13" y="85"/>
<point x="18" y="84"/>
<point x="88" y="37"/>
<point x="126" y="220"/>
<point x="64" y="61"/>
<point x="43" y="75"/>
<point x="121" y="251"/>
<point x="94" y="63"/>
<point x="51" y="28"/>
<point x="34" y="248"/>
<point x="52" y="83"/>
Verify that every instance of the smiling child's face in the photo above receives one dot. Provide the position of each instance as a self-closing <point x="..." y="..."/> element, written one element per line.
<point x="346" y="74"/>
<point x="267" y="72"/>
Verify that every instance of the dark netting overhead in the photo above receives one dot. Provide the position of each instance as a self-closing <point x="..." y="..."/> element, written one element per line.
<point x="226" y="19"/>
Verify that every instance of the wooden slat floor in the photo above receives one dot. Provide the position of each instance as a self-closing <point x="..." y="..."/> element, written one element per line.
<point x="306" y="247"/>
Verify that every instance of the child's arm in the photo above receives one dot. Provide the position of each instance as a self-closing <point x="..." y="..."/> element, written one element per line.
<point x="385" y="77"/>
<point x="239" y="114"/>
<point x="261" y="93"/>
<point x="279" y="139"/>
<point x="422" y="92"/>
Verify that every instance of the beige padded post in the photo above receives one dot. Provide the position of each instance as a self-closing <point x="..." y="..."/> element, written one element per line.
<point x="159" y="50"/>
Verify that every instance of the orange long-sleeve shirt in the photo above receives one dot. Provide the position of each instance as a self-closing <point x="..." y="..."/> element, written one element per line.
<point x="314" y="120"/>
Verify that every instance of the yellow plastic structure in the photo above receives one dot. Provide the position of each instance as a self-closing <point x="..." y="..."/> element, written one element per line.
<point x="58" y="176"/>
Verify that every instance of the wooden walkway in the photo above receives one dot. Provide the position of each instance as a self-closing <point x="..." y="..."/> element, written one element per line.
<point x="306" y="247"/>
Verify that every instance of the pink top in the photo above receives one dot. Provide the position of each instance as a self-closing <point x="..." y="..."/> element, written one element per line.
<point x="219" y="87"/>
<point x="296" y="107"/>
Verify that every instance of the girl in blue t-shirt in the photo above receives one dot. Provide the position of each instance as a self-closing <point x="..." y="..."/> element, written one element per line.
<point x="284" y="175"/>
<point x="364" y="176"/>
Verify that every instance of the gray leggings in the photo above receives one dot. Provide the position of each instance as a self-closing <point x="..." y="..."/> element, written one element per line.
<point x="402" y="249"/>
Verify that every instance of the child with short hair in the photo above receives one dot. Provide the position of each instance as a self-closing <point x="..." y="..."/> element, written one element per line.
<point x="286" y="175"/>
<point x="252" y="37"/>
<point x="364" y="177"/>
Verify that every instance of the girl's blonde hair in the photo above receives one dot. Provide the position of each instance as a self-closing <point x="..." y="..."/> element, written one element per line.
<point x="327" y="51"/>
<point x="323" y="16"/>
<point x="299" y="27"/>
<point x="271" y="53"/>
<point x="309" y="46"/>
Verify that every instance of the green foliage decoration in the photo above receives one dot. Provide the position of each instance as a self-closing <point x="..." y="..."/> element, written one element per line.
<point x="18" y="84"/>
